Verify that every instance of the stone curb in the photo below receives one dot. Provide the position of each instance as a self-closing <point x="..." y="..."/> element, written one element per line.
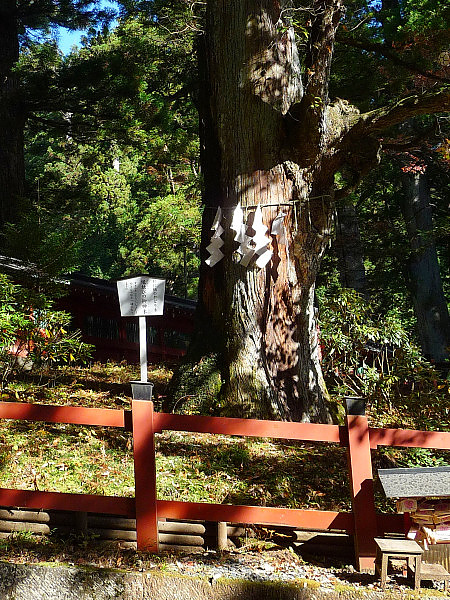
<point x="59" y="582"/>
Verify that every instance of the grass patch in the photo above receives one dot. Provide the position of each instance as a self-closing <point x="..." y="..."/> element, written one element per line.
<point x="65" y="458"/>
<point x="195" y="468"/>
<point x="207" y="468"/>
<point x="190" y="467"/>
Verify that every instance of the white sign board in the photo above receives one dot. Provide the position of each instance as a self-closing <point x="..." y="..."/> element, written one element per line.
<point x="141" y="296"/>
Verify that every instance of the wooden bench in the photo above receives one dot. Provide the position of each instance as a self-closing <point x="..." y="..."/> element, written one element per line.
<point x="400" y="549"/>
<point x="434" y="572"/>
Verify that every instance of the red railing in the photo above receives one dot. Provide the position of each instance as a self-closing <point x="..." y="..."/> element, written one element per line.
<point x="363" y="522"/>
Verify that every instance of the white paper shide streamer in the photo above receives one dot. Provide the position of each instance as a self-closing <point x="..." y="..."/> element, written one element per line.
<point x="278" y="228"/>
<point x="216" y="242"/>
<point x="260" y="240"/>
<point x="240" y="229"/>
<point x="250" y="247"/>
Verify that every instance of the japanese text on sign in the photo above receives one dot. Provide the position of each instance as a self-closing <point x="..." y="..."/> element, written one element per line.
<point x="141" y="296"/>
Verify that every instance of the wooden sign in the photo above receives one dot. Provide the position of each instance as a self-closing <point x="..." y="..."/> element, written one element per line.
<point x="141" y="296"/>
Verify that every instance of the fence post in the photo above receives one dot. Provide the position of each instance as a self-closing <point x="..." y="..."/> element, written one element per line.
<point x="145" y="475"/>
<point x="222" y="535"/>
<point x="361" y="483"/>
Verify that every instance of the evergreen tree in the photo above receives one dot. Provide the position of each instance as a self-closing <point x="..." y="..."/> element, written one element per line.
<point x="19" y="19"/>
<point x="112" y="158"/>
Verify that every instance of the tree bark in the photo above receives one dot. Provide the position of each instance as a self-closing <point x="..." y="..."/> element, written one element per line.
<point x="12" y="119"/>
<point x="263" y="320"/>
<point x="430" y="304"/>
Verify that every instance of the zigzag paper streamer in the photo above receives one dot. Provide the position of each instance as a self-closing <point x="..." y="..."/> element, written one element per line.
<point x="238" y="225"/>
<point x="260" y="240"/>
<point x="278" y="228"/>
<point x="217" y="242"/>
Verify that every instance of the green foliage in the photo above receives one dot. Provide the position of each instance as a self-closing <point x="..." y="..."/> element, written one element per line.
<point x="43" y="15"/>
<point x="32" y="334"/>
<point x="383" y="233"/>
<point x="371" y="355"/>
<point x="386" y="48"/>
<point x="168" y="239"/>
<point x="84" y="206"/>
<point x="414" y="457"/>
<point x="113" y="176"/>
<point x="425" y="16"/>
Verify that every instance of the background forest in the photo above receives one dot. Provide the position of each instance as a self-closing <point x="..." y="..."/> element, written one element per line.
<point x="113" y="179"/>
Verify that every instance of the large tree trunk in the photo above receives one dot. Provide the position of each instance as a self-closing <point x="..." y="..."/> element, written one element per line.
<point x="263" y="320"/>
<point x="430" y="305"/>
<point x="12" y="171"/>
<point x="268" y="140"/>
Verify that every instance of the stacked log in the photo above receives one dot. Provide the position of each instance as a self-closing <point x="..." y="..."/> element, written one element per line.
<point x="335" y="544"/>
<point x="33" y="521"/>
<point x="175" y="536"/>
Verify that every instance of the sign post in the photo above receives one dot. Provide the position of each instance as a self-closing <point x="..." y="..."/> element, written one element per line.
<point x="143" y="347"/>
<point x="141" y="297"/>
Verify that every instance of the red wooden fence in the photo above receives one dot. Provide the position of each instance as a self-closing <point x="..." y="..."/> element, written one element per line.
<point x="359" y="439"/>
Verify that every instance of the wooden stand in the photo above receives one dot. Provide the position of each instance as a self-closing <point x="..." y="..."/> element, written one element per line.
<point x="434" y="572"/>
<point x="401" y="549"/>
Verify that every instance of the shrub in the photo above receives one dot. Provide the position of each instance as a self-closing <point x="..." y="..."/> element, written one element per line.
<point x="32" y="334"/>
<point x="371" y="355"/>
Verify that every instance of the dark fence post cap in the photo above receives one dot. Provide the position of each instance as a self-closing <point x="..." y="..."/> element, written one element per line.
<point x="142" y="390"/>
<point x="354" y="405"/>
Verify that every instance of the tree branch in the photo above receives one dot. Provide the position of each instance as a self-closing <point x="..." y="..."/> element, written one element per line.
<point x="320" y="47"/>
<point x="377" y="120"/>
<point x="59" y="125"/>
<point x="358" y="148"/>
<point x="412" y="142"/>
<point x="390" y="54"/>
<point x="305" y="119"/>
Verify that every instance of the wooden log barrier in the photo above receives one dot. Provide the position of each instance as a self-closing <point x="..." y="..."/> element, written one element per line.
<point x="181" y="540"/>
<point x="188" y="528"/>
<point x="183" y="549"/>
<point x="111" y="522"/>
<point x="189" y="536"/>
<point x="114" y="534"/>
<point x="181" y="536"/>
<point x="222" y="535"/>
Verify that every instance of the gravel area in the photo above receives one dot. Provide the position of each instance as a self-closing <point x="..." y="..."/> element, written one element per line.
<point x="281" y="565"/>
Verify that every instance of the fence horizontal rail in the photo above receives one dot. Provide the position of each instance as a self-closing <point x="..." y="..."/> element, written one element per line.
<point x="108" y="417"/>
<point x="113" y="505"/>
<point x="409" y="438"/>
<point x="307" y="519"/>
<point x="196" y="511"/>
<point x="251" y="428"/>
<point x="74" y="415"/>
